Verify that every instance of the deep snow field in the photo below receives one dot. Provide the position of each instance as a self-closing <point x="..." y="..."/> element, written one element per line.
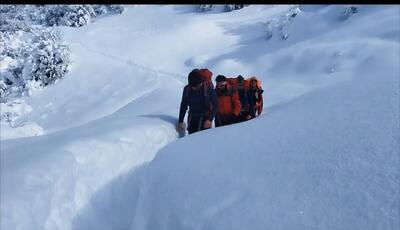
<point x="100" y="150"/>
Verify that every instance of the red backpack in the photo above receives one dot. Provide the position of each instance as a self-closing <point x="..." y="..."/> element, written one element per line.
<point x="207" y="74"/>
<point x="255" y="78"/>
<point x="233" y="81"/>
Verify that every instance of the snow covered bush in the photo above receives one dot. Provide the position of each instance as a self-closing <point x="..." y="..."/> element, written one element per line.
<point x="226" y="8"/>
<point x="107" y="9"/>
<point x="12" y="19"/>
<point x="69" y="15"/>
<point x="231" y="7"/>
<point x="77" y="15"/>
<point x="31" y="56"/>
<point x="30" y="50"/>
<point x="281" y="25"/>
<point x="38" y="55"/>
<point x="206" y="7"/>
<point x="13" y="54"/>
<point x="32" y="53"/>
<point x="3" y="89"/>
<point x="50" y="59"/>
<point x="348" y="12"/>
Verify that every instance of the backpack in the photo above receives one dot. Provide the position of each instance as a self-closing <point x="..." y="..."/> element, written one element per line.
<point x="207" y="74"/>
<point x="233" y="81"/>
<point x="258" y="81"/>
<point x="259" y="107"/>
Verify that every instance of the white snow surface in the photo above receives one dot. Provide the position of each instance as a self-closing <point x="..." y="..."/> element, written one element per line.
<point x="323" y="155"/>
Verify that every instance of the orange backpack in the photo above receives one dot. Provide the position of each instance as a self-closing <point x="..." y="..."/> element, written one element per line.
<point x="233" y="81"/>
<point x="207" y="74"/>
<point x="258" y="81"/>
<point x="259" y="105"/>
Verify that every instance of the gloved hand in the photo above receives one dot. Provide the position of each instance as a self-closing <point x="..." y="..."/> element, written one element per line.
<point x="181" y="126"/>
<point x="207" y="124"/>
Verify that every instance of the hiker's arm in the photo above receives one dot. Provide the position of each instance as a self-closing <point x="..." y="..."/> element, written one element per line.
<point x="251" y="103"/>
<point x="214" y="102"/>
<point x="184" y="105"/>
<point x="260" y="103"/>
<point x="236" y="104"/>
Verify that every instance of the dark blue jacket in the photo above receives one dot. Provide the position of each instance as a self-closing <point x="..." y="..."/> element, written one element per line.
<point x="198" y="102"/>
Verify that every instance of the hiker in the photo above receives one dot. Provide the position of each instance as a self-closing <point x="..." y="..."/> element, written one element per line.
<point x="202" y="101"/>
<point x="242" y="88"/>
<point x="255" y="97"/>
<point x="228" y="101"/>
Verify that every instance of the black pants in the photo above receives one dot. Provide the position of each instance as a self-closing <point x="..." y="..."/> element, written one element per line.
<point x="243" y="116"/>
<point x="221" y="120"/>
<point x="195" y="122"/>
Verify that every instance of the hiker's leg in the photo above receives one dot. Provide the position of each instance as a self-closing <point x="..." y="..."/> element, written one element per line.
<point x="244" y="115"/>
<point x="235" y="119"/>
<point x="227" y="120"/>
<point x="193" y="126"/>
<point x="221" y="120"/>
<point x="240" y="118"/>
<point x="217" y="120"/>
<point x="201" y="124"/>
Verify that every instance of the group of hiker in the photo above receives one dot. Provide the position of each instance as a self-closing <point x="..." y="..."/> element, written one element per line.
<point x="233" y="100"/>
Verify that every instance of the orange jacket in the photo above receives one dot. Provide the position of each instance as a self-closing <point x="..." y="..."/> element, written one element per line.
<point x="228" y="102"/>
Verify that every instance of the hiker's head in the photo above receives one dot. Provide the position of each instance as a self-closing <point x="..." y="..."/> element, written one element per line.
<point x="240" y="81"/>
<point x="253" y="83"/>
<point x="195" y="78"/>
<point x="221" y="81"/>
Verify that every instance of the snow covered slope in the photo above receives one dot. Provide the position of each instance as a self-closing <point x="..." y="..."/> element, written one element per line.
<point x="324" y="155"/>
<point x="329" y="159"/>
